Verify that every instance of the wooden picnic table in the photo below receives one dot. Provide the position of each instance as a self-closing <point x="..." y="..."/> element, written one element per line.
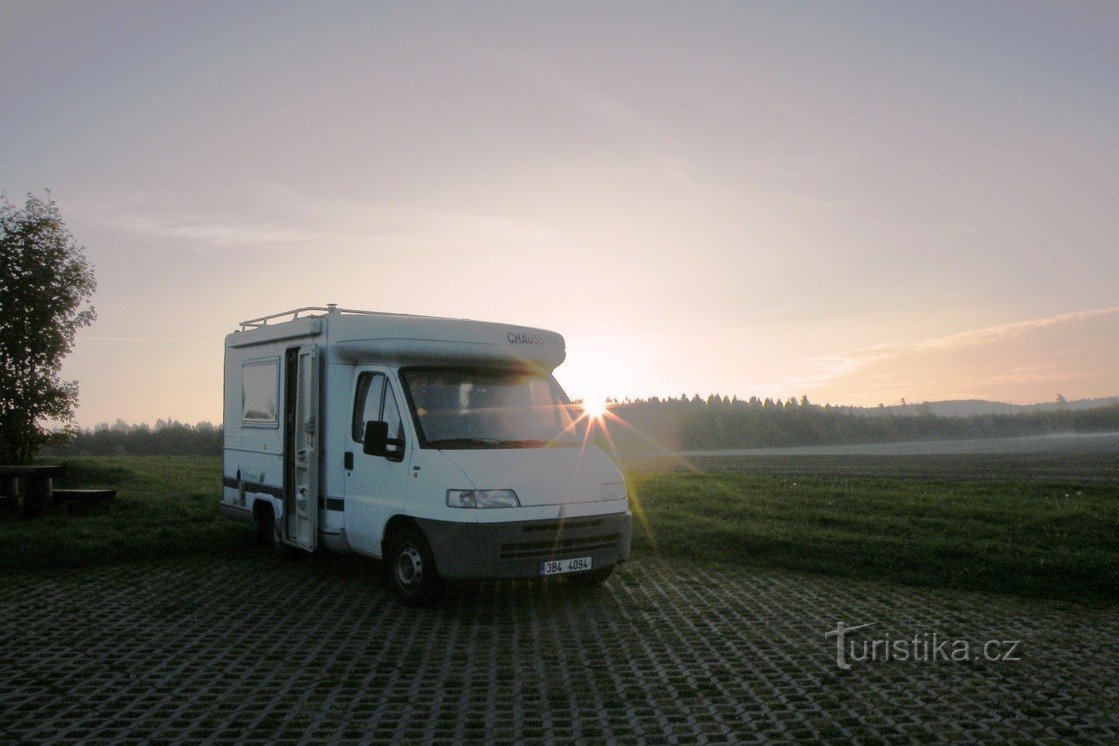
<point x="38" y="483"/>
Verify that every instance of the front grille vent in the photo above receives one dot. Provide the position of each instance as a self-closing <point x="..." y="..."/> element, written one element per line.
<point x="558" y="546"/>
<point x="554" y="527"/>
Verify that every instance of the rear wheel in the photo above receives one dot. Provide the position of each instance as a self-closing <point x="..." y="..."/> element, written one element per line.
<point x="265" y="521"/>
<point x="590" y="577"/>
<point x="409" y="568"/>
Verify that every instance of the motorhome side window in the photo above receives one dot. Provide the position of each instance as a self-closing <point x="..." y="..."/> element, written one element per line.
<point x="260" y="386"/>
<point x="367" y="402"/>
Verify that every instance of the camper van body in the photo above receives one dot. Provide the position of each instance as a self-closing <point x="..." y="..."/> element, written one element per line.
<point x="336" y="437"/>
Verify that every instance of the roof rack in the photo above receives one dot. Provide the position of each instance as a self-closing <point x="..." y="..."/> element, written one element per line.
<point x="330" y="308"/>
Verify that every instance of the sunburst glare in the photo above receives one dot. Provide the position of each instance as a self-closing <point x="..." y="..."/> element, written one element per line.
<point x="594" y="407"/>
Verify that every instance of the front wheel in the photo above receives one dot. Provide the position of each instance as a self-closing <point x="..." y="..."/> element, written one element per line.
<point x="409" y="569"/>
<point x="590" y="577"/>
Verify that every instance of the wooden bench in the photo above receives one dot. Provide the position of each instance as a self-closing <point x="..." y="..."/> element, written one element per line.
<point x="83" y="501"/>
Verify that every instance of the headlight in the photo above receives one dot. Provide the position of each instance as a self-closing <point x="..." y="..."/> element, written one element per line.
<point x="612" y="491"/>
<point x="482" y="499"/>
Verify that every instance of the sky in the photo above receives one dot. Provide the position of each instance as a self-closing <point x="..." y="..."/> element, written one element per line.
<point x="854" y="202"/>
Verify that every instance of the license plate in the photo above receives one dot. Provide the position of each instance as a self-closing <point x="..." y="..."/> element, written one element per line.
<point x="555" y="567"/>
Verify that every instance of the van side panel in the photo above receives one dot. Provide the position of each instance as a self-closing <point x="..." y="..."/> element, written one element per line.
<point x="252" y="463"/>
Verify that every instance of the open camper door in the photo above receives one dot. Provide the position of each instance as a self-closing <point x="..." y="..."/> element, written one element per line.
<point x="301" y="499"/>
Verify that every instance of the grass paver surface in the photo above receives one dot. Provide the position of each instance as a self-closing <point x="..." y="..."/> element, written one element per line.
<point x="246" y="647"/>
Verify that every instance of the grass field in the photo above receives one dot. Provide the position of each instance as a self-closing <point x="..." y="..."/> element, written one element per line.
<point x="999" y="534"/>
<point x="165" y="505"/>
<point x="1022" y="538"/>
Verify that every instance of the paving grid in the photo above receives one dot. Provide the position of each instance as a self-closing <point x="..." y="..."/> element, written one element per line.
<point x="260" y="650"/>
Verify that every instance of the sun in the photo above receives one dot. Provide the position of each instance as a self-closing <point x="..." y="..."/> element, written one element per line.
<point x="594" y="407"/>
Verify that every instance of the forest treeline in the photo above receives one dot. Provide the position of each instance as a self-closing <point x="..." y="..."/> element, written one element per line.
<point x="166" y="438"/>
<point x="686" y="423"/>
<point x="720" y="422"/>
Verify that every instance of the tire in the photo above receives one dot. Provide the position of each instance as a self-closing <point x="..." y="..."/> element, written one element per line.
<point x="265" y="522"/>
<point x="409" y="568"/>
<point x="590" y="577"/>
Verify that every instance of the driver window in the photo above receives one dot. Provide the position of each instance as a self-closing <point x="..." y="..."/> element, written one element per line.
<point x="367" y="402"/>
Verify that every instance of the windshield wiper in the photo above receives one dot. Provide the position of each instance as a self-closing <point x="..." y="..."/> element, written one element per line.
<point x="464" y="442"/>
<point x="495" y="443"/>
<point x="530" y="443"/>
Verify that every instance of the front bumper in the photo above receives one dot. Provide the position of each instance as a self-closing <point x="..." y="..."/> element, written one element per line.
<point x="518" y="548"/>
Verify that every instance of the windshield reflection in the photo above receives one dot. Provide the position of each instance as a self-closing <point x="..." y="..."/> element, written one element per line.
<point x="470" y="408"/>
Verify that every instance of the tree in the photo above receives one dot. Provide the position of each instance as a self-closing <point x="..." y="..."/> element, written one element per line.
<point x="45" y="285"/>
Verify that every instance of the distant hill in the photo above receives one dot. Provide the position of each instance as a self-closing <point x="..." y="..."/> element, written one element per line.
<point x="970" y="407"/>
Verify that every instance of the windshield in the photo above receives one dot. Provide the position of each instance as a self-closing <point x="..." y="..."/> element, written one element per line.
<point x="484" y="408"/>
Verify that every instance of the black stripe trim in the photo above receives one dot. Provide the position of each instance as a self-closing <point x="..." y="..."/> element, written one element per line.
<point x="257" y="487"/>
<point x="335" y="503"/>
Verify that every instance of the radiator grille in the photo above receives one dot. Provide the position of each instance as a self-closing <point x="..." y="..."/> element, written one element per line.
<point x="558" y="545"/>
<point x="554" y="527"/>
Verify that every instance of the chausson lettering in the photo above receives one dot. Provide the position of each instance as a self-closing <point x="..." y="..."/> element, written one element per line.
<point x="518" y="338"/>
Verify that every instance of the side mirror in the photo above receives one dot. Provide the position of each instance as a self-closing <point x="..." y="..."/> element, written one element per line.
<point x="376" y="439"/>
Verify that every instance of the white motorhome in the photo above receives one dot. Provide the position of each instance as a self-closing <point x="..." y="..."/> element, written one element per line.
<point x="442" y="447"/>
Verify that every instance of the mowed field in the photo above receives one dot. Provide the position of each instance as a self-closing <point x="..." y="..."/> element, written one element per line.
<point x="1069" y="458"/>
